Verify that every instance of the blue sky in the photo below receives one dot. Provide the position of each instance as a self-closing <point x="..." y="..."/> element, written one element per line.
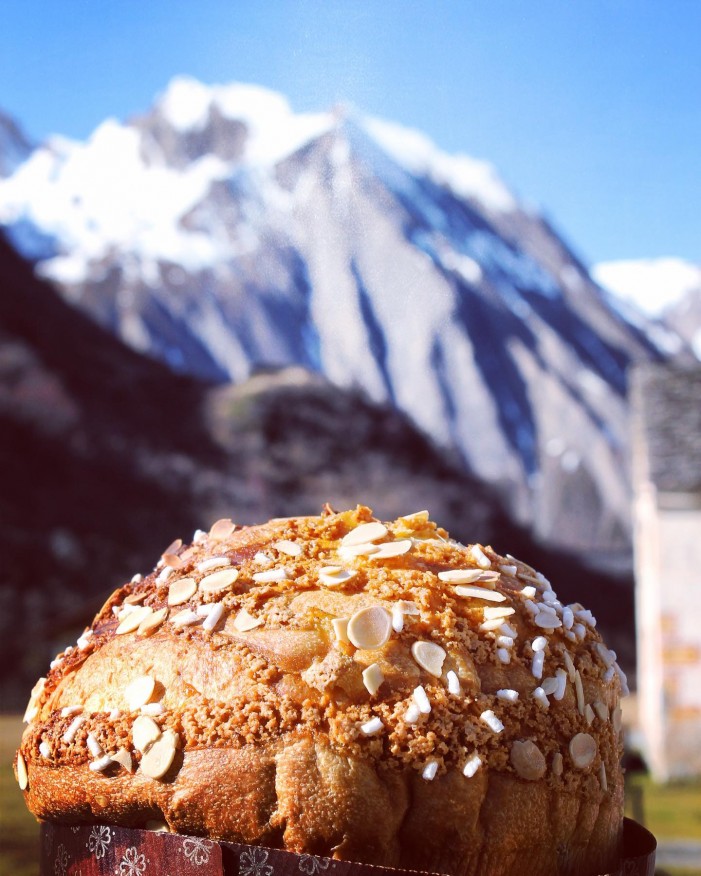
<point x="590" y="109"/>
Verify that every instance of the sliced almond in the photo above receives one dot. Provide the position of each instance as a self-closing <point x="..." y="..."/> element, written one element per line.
<point x="159" y="758"/>
<point x="135" y="598"/>
<point x="271" y="576"/>
<point x="185" y="618"/>
<point x="290" y="548"/>
<point x="370" y="627"/>
<point x="181" y="590"/>
<point x="472" y="592"/>
<point x="334" y="576"/>
<point x="219" y="581"/>
<point x="365" y="532"/>
<point x="32" y="709"/>
<point x="601" y="710"/>
<point x="392" y="549"/>
<point x="22" y="775"/>
<point x="349" y="552"/>
<point x="373" y="678"/>
<point x="340" y="629"/>
<point x="124" y="759"/>
<point x="222" y="529"/>
<point x="429" y="656"/>
<point x="139" y="692"/>
<point x="173" y="561"/>
<point x="133" y="620"/>
<point x="479" y="556"/>
<point x="213" y="563"/>
<point x="557" y="764"/>
<point x="144" y="733"/>
<point x="152" y="622"/>
<point x="460" y="576"/>
<point x="498" y="611"/>
<point x="528" y="760"/>
<point x="245" y="621"/>
<point x="172" y="548"/>
<point x="582" y="750"/>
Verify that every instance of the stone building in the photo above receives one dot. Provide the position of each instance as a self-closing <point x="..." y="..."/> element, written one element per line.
<point x="666" y="405"/>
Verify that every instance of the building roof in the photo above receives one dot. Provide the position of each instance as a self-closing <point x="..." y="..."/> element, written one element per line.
<point x="666" y="409"/>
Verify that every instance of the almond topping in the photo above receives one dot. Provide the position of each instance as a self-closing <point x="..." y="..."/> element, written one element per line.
<point x="218" y="582"/>
<point x="291" y="548"/>
<point x="333" y="576"/>
<point x="213" y="563"/>
<point x="173" y="561"/>
<point x="349" y="552"/>
<point x="601" y="710"/>
<point x="124" y="759"/>
<point x="139" y="692"/>
<point x="373" y="678"/>
<point x="365" y="532"/>
<point x="557" y="764"/>
<point x="22" y="775"/>
<point x="479" y="556"/>
<point x="144" y="733"/>
<point x="158" y="759"/>
<point x="500" y="611"/>
<point x="152" y="622"/>
<point x="245" y="621"/>
<point x="429" y="656"/>
<point x="527" y="759"/>
<point x="370" y="627"/>
<point x="392" y="549"/>
<point x="582" y="750"/>
<point x="182" y="590"/>
<point x="340" y="629"/>
<point x="185" y="618"/>
<point x="460" y="576"/>
<point x="473" y="592"/>
<point x="133" y="620"/>
<point x="32" y="706"/>
<point x="222" y="529"/>
<point x="273" y="575"/>
<point x="172" y="548"/>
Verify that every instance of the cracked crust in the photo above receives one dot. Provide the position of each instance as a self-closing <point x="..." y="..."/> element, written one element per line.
<point x="268" y="720"/>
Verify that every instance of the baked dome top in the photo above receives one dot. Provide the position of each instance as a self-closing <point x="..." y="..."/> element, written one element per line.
<point x="396" y="645"/>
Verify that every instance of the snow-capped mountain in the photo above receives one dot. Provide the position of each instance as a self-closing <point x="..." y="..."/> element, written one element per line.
<point x="222" y="233"/>
<point x="665" y="289"/>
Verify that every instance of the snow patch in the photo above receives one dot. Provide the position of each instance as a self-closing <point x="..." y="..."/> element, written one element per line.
<point x="653" y="285"/>
<point x="185" y="103"/>
<point x="466" y="177"/>
<point x="274" y="131"/>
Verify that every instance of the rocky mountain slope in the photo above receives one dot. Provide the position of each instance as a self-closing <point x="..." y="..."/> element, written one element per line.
<point x="106" y="455"/>
<point x="222" y="233"/>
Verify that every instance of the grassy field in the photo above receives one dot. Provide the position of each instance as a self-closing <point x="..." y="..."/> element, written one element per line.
<point x="670" y="811"/>
<point x="19" y="832"/>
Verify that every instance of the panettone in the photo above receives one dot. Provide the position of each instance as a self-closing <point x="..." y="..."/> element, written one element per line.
<point x="335" y="685"/>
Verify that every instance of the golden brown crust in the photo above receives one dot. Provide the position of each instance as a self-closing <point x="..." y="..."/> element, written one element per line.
<point x="283" y="726"/>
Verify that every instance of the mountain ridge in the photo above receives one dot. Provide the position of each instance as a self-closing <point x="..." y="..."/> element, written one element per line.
<point x="358" y="250"/>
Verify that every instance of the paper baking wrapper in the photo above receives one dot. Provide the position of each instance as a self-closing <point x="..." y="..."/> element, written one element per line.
<point x="104" y="850"/>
